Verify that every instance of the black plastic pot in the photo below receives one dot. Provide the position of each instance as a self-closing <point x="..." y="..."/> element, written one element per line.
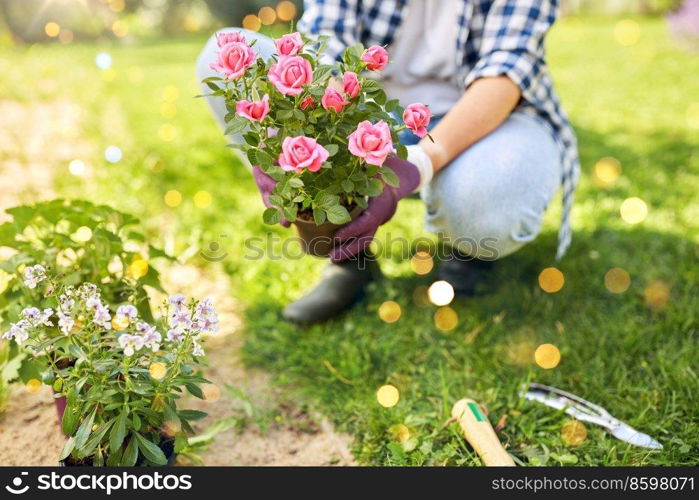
<point x="166" y="444"/>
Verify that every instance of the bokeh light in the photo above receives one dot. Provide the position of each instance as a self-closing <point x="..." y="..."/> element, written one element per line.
<point x="113" y="154"/>
<point x="440" y="293"/>
<point x="33" y="386"/>
<point x="168" y="110"/>
<point x="120" y="28"/>
<point x="77" y="167"/>
<point x="52" y="29"/>
<point x="252" y="22"/>
<point x="267" y="15"/>
<point x="167" y="132"/>
<point x="657" y="294"/>
<point x="607" y="171"/>
<point x="388" y="396"/>
<point x="173" y="198"/>
<point x="103" y="60"/>
<point x="66" y="36"/>
<point x="170" y="93"/>
<point x="157" y="370"/>
<point x="120" y="323"/>
<point x="627" y="32"/>
<point x="633" y="210"/>
<point x="211" y="392"/>
<point x="446" y="318"/>
<point x="547" y="356"/>
<point x="83" y="234"/>
<point x="286" y="10"/>
<point x="109" y="75"/>
<point x="551" y="280"/>
<point x="116" y="5"/>
<point x="138" y="268"/>
<point x="617" y="280"/>
<point x="135" y="75"/>
<point x="389" y="311"/>
<point x="422" y="263"/>
<point x="202" y="199"/>
<point x="574" y="433"/>
<point x="693" y="115"/>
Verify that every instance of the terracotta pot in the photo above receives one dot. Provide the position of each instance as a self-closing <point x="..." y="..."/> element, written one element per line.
<point x="318" y="240"/>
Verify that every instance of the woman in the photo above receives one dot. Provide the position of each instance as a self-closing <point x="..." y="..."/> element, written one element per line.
<point x="502" y="144"/>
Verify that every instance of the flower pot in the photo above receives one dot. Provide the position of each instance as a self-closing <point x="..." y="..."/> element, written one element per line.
<point x="318" y="240"/>
<point x="166" y="444"/>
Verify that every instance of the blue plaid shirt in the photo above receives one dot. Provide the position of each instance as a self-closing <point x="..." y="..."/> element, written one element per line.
<point x="495" y="37"/>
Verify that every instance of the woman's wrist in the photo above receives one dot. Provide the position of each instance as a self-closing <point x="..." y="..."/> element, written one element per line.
<point x="436" y="153"/>
<point x="418" y="157"/>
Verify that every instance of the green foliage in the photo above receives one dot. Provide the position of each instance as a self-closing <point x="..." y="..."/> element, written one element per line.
<point x="344" y="181"/>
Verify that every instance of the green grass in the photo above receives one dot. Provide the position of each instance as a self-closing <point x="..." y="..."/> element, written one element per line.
<point x="641" y="364"/>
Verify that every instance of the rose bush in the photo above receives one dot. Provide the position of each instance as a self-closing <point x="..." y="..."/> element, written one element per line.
<point x="322" y="132"/>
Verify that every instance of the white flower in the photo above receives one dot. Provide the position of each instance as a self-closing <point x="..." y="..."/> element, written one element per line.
<point x="128" y="310"/>
<point x="205" y="317"/>
<point x="37" y="317"/>
<point x="102" y="317"/>
<point x="66" y="302"/>
<point x="65" y="322"/>
<point x="177" y="300"/>
<point x="93" y="302"/>
<point x="130" y="343"/>
<point x="152" y="339"/>
<point x="175" y="335"/>
<point x="18" y="331"/>
<point x="88" y="290"/>
<point x="33" y="275"/>
<point x="197" y="350"/>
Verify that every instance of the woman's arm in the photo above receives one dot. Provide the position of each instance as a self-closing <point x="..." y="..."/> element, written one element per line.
<point x="482" y="108"/>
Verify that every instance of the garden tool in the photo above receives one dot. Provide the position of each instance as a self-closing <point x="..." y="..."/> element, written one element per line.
<point x="480" y="434"/>
<point x="585" y="411"/>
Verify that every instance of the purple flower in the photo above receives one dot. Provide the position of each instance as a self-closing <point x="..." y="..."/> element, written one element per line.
<point x="33" y="275"/>
<point x="180" y="318"/>
<point x="152" y="339"/>
<point x="175" y="335"/>
<point x="127" y="310"/>
<point x="130" y="343"/>
<point x="18" y="331"/>
<point x="177" y="300"/>
<point x="102" y="317"/>
<point x="197" y="350"/>
<point x="65" y="322"/>
<point x="37" y="317"/>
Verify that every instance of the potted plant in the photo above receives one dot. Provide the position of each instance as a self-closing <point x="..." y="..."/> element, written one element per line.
<point x="121" y="376"/>
<point x="322" y="132"/>
<point x="80" y="242"/>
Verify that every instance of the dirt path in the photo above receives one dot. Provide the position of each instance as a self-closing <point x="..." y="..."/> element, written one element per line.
<point x="283" y="433"/>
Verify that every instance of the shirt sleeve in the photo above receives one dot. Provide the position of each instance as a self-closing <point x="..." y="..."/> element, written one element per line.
<point x="335" y="18"/>
<point x="513" y="43"/>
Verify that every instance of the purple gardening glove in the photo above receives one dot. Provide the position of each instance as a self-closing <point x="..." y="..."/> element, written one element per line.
<point x="266" y="185"/>
<point x="356" y="236"/>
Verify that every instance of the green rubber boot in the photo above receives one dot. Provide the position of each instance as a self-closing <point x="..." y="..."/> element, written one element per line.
<point x="341" y="286"/>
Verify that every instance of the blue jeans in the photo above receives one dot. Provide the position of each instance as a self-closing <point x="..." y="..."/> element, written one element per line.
<point x="490" y="200"/>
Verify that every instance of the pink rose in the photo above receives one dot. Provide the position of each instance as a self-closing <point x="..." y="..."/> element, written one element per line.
<point x="417" y="117"/>
<point x="375" y="57"/>
<point x="351" y="84"/>
<point x="289" y="45"/>
<point x="290" y="74"/>
<point x="234" y="59"/>
<point x="308" y="102"/>
<point x="302" y="152"/>
<point x="371" y="142"/>
<point x="332" y="99"/>
<point x="255" y="111"/>
<point x="226" y="37"/>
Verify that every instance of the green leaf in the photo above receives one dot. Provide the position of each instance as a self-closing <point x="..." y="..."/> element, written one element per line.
<point x="264" y="160"/>
<point x="136" y="422"/>
<point x="290" y="212"/>
<point x="318" y="216"/>
<point x="95" y="439"/>
<point x="69" y="422"/>
<point x="296" y="182"/>
<point x="235" y="127"/>
<point x="130" y="453"/>
<point x="116" y="438"/>
<point x="375" y="187"/>
<point x="389" y="177"/>
<point x="391" y="105"/>
<point x="67" y="448"/>
<point x="150" y="450"/>
<point x="337" y="214"/>
<point x="271" y="216"/>
<point x="171" y="415"/>
<point x="332" y="149"/>
<point x="84" y="430"/>
<point x="192" y="414"/>
<point x="194" y="390"/>
<point x="402" y="152"/>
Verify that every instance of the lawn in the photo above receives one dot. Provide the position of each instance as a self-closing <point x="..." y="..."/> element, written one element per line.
<point x="637" y="360"/>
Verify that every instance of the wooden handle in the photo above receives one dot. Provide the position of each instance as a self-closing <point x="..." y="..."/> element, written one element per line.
<point x="480" y="434"/>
